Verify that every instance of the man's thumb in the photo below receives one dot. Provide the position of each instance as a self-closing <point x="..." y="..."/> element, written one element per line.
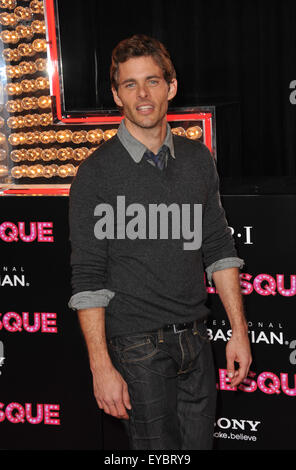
<point x="230" y="368"/>
<point x="126" y="399"/>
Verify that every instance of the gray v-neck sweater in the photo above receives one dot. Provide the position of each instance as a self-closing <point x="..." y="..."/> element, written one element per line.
<point x="135" y="231"/>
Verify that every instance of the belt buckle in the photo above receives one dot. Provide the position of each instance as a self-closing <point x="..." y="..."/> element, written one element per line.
<point x="177" y="331"/>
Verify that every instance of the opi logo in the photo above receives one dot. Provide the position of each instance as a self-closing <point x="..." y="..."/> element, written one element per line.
<point x="156" y="220"/>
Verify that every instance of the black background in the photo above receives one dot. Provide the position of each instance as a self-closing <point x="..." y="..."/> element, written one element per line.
<point x="236" y="55"/>
<point x="53" y="368"/>
<point x="239" y="56"/>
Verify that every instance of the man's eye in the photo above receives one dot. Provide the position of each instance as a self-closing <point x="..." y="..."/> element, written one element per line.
<point x="153" y="82"/>
<point x="130" y="85"/>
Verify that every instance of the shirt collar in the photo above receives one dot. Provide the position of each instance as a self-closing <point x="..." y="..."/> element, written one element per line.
<point x="135" y="148"/>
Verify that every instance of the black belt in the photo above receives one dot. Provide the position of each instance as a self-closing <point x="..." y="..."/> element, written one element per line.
<point x="178" y="327"/>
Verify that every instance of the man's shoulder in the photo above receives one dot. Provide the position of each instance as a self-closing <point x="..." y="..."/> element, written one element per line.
<point x="99" y="166"/>
<point x="107" y="157"/>
<point x="184" y="144"/>
<point x="106" y="152"/>
<point x="192" y="152"/>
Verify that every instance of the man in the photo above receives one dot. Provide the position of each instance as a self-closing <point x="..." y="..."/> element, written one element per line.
<point x="138" y="266"/>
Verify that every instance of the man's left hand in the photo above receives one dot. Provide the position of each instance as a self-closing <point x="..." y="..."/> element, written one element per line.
<point x="238" y="350"/>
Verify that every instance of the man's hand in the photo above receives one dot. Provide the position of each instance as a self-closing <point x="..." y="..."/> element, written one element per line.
<point x="111" y="392"/>
<point x="238" y="350"/>
<point x="110" y="389"/>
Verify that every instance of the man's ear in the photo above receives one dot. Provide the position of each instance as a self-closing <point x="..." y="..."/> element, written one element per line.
<point x="173" y="86"/>
<point x="116" y="97"/>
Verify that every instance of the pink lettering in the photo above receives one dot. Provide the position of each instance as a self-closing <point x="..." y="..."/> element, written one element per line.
<point x="17" y="323"/>
<point x="44" y="322"/>
<point x="267" y="382"/>
<point x="12" y="237"/>
<point x="264" y="284"/>
<point x="42" y="231"/>
<point x="224" y="380"/>
<point x="285" y="386"/>
<point x="33" y="232"/>
<point x="248" y="286"/>
<point x="273" y="387"/>
<point x="31" y="328"/>
<point x="45" y="328"/>
<point x="17" y="413"/>
<point x="248" y="385"/>
<point x="49" y="414"/>
<point x="269" y="289"/>
<point x="38" y="418"/>
<point x="2" y="414"/>
<point x="281" y="288"/>
<point x="18" y="417"/>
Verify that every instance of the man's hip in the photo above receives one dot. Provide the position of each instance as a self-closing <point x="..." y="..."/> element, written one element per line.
<point x="171" y="381"/>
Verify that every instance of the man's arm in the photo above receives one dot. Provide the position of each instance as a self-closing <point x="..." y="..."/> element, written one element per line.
<point x="89" y="258"/>
<point x="110" y="389"/>
<point x="238" y="347"/>
<point x="218" y="248"/>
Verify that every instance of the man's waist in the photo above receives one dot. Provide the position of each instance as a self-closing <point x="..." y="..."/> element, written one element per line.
<point x="178" y="327"/>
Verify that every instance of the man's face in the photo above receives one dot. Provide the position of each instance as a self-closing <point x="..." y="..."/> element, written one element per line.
<point x="143" y="92"/>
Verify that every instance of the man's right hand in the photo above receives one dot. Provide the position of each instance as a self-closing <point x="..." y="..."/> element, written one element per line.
<point x="111" y="392"/>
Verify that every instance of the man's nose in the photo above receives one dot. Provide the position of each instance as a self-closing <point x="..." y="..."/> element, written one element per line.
<point x="142" y="91"/>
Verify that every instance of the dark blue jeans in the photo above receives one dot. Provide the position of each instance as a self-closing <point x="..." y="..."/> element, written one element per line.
<point x="171" y="382"/>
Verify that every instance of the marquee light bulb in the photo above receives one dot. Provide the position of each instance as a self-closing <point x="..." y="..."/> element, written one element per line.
<point x="178" y="131"/>
<point x="108" y="134"/>
<point x="194" y="132"/>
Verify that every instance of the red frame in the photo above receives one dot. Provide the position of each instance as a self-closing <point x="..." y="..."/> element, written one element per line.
<point x="39" y="191"/>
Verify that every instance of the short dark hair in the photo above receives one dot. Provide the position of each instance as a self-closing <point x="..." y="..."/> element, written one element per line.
<point x="137" y="46"/>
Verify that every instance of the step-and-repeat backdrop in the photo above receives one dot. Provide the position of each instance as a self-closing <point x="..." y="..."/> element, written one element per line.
<point x="46" y="399"/>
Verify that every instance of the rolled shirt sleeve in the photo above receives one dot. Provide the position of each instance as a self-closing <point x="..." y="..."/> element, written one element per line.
<point x="90" y="299"/>
<point x="221" y="264"/>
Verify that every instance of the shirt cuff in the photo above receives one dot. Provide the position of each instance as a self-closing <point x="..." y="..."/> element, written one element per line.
<point x="223" y="264"/>
<point x="90" y="299"/>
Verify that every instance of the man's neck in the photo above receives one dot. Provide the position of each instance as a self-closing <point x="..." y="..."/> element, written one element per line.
<point x="152" y="138"/>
